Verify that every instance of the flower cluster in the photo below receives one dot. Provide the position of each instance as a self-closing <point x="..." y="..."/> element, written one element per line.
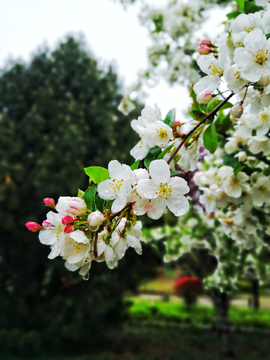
<point x="228" y="143"/>
<point x="80" y="233"/>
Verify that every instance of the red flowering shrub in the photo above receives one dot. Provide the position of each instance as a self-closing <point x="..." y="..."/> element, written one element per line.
<point x="189" y="287"/>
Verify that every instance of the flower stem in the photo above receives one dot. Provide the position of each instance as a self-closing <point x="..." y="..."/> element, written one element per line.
<point x="212" y="113"/>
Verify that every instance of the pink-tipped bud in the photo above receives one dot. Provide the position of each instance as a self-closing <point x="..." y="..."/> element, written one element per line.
<point x="46" y="223"/>
<point x="69" y="229"/>
<point x="96" y="218"/>
<point x="205" y="42"/>
<point x="67" y="220"/>
<point x="176" y="128"/>
<point x="49" y="202"/>
<point x="237" y="110"/>
<point x="204" y="50"/>
<point x="204" y="97"/>
<point x="33" y="226"/>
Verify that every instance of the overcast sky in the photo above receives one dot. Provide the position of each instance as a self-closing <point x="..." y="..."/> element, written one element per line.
<point x="112" y="34"/>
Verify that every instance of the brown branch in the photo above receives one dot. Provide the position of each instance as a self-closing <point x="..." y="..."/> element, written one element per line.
<point x="212" y="113"/>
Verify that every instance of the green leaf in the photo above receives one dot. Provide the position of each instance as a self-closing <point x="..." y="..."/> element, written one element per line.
<point x="250" y="7"/>
<point x="152" y="155"/>
<point x="80" y="194"/>
<point x="175" y="172"/>
<point x="97" y="174"/>
<point x="266" y="171"/>
<point x="215" y="102"/>
<point x="135" y="165"/>
<point x="164" y="152"/>
<point x="210" y="138"/>
<point x="267" y="36"/>
<point x="170" y="117"/>
<point x="99" y="203"/>
<point x="233" y="14"/>
<point x="238" y="170"/>
<point x="89" y="197"/>
<point x="241" y="4"/>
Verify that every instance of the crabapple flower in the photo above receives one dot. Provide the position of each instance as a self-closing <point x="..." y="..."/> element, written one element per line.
<point x="33" y="226"/>
<point x="119" y="186"/>
<point x="259" y="143"/>
<point x="158" y="133"/>
<point x="74" y="247"/>
<point x="164" y="190"/>
<point x="253" y="58"/>
<point x="129" y="238"/>
<point x="214" y="68"/>
<point x="71" y="206"/>
<point x="243" y="25"/>
<point x="96" y="218"/>
<point x="234" y="184"/>
<point x="260" y="122"/>
<point x="234" y="80"/>
<point x="106" y="250"/>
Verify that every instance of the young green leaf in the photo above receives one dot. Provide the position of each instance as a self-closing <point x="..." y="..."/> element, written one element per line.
<point x="210" y="138"/>
<point x="233" y="14"/>
<point x="99" y="203"/>
<point x="97" y="174"/>
<point x="152" y="155"/>
<point x="170" y="117"/>
<point x="164" y="152"/>
<point x="80" y="193"/>
<point x="89" y="197"/>
<point x="250" y="7"/>
<point x="135" y="165"/>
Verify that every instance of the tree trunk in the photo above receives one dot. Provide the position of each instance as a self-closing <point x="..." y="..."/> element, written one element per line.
<point x="221" y="304"/>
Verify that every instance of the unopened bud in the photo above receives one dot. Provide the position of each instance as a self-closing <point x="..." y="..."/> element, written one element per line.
<point x="237" y="110"/>
<point x="204" y="50"/>
<point x="176" y="128"/>
<point x="33" y="226"/>
<point x="67" y="220"/>
<point x="69" y="229"/>
<point x="46" y="223"/>
<point x="204" y="97"/>
<point x="96" y="218"/>
<point x="49" y="202"/>
<point x="206" y="42"/>
<point x="265" y="78"/>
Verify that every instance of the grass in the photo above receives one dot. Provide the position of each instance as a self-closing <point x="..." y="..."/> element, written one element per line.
<point x="160" y="311"/>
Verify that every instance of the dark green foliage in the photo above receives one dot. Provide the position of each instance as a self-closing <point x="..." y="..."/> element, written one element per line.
<point x="58" y="115"/>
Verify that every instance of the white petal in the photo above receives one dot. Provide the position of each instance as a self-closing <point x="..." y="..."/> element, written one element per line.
<point x="147" y="189"/>
<point x="178" y="205"/>
<point x="159" y="171"/>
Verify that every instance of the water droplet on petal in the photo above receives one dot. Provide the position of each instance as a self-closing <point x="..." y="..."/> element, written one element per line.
<point x="86" y="276"/>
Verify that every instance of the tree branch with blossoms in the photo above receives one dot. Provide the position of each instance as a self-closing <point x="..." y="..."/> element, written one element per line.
<point x="231" y="172"/>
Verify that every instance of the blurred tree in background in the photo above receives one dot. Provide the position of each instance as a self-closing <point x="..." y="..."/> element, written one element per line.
<point x="57" y="115"/>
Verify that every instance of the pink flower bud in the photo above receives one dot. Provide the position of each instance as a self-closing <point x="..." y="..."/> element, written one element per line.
<point x="33" y="226"/>
<point x="205" y="42"/>
<point x="67" y="220"/>
<point x="96" y="218"/>
<point x="204" y="50"/>
<point x="204" y="97"/>
<point x="49" y="202"/>
<point x="237" y="110"/>
<point x="46" y="223"/>
<point x="69" y="229"/>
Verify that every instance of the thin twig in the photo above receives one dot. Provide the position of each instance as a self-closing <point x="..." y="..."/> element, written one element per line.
<point x="212" y="113"/>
